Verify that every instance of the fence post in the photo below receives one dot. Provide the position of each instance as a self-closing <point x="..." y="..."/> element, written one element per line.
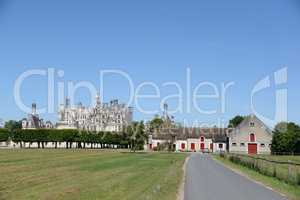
<point x="290" y="170"/>
<point x="274" y="171"/>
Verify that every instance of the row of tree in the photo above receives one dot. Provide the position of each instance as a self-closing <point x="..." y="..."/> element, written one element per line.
<point x="133" y="137"/>
<point x="4" y="135"/>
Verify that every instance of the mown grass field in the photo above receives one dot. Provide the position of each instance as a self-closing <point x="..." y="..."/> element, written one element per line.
<point x="89" y="174"/>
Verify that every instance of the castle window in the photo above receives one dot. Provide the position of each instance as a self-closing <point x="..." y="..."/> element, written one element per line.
<point x="234" y="144"/>
<point x="252" y="124"/>
<point x="262" y="145"/>
<point x="242" y="144"/>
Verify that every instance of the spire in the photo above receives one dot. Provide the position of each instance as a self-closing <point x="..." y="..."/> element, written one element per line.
<point x="67" y="102"/>
<point x="98" y="102"/>
<point x="165" y="112"/>
<point x="33" y="108"/>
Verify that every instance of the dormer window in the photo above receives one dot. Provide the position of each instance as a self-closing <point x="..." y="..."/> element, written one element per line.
<point x="202" y="139"/>
<point x="252" y="124"/>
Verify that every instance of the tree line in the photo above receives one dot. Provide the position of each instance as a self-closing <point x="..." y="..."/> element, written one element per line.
<point x="286" y="138"/>
<point x="132" y="137"/>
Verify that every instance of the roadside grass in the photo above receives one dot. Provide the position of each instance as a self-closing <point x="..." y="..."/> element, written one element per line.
<point x="290" y="191"/>
<point x="89" y="174"/>
<point x="295" y="159"/>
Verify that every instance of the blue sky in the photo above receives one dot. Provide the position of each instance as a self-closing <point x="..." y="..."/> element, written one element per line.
<point x="220" y="41"/>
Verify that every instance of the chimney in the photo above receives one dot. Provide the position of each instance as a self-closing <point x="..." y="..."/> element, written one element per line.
<point x="98" y="102"/>
<point x="33" y="109"/>
<point x="67" y="102"/>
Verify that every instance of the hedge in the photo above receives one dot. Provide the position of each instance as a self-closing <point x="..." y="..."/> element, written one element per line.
<point x="70" y="136"/>
<point x="4" y="135"/>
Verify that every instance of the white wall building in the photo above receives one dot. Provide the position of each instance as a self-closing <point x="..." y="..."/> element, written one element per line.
<point x="193" y="140"/>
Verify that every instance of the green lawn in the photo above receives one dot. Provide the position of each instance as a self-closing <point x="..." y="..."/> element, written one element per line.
<point x="89" y="174"/>
<point x="291" y="191"/>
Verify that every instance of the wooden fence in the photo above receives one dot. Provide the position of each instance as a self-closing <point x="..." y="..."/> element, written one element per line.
<point x="287" y="171"/>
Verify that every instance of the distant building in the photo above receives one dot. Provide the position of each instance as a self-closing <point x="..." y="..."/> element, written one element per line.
<point x="252" y="136"/>
<point x="192" y="139"/>
<point x="48" y="125"/>
<point x="111" y="117"/>
<point x="185" y="138"/>
<point x="33" y="121"/>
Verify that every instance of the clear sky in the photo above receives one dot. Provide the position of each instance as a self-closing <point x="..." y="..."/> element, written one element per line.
<point x="220" y="41"/>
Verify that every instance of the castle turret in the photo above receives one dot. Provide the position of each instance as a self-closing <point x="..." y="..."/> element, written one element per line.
<point x="33" y="107"/>
<point x="98" y="102"/>
<point x="67" y="103"/>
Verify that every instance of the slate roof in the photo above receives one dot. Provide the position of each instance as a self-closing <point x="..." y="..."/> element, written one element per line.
<point x="216" y="134"/>
<point x="254" y="118"/>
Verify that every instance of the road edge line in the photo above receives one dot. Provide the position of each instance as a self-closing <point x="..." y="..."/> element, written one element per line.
<point x="180" y="194"/>
<point x="249" y="178"/>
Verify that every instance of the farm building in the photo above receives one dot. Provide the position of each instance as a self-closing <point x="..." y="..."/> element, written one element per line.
<point x="191" y="140"/>
<point x="252" y="136"/>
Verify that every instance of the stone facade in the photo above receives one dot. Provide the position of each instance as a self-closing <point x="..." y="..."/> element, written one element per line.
<point x="111" y="117"/>
<point x="33" y="121"/>
<point x="252" y="136"/>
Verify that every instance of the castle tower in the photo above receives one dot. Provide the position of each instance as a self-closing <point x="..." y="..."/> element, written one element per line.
<point x="165" y="112"/>
<point x="33" y="107"/>
<point x="67" y="103"/>
<point x="98" y="102"/>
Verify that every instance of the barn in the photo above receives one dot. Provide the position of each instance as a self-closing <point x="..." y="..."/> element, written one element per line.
<point x="251" y="136"/>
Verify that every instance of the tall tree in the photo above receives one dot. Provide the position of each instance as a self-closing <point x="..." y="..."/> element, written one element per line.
<point x="156" y="124"/>
<point x="234" y="122"/>
<point x="286" y="138"/>
<point x="4" y="135"/>
<point x="13" y="125"/>
<point x="136" y="133"/>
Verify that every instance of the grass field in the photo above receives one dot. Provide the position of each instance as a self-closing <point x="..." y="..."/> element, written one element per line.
<point x="89" y="174"/>
<point x="295" y="159"/>
<point x="291" y="191"/>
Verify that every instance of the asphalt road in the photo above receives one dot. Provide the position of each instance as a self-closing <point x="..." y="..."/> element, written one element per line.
<point x="208" y="180"/>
